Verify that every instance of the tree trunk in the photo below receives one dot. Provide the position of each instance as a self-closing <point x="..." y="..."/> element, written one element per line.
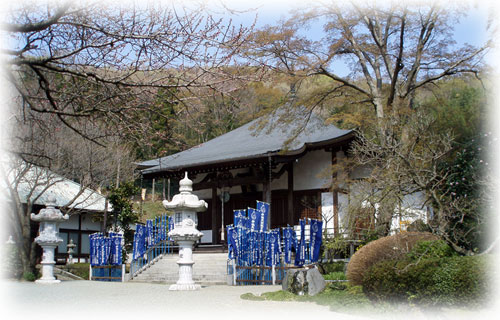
<point x="381" y="126"/>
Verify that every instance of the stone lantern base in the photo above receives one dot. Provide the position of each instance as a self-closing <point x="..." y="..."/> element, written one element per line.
<point x="185" y="263"/>
<point x="48" y="264"/>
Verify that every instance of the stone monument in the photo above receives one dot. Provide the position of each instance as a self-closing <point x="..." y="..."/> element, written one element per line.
<point x="185" y="206"/>
<point x="48" y="238"/>
<point x="70" y="247"/>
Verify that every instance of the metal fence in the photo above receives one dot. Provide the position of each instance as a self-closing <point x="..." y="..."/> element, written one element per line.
<point x="151" y="255"/>
<point x="257" y="275"/>
<point x="114" y="273"/>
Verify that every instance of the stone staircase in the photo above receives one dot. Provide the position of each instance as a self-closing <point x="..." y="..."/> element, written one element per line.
<point x="208" y="269"/>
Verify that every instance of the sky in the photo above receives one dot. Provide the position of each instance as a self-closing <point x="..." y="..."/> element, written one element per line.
<point x="471" y="29"/>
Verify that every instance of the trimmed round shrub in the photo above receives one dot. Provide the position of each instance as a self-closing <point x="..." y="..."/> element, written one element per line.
<point x="431" y="249"/>
<point x="449" y="281"/>
<point x="387" y="248"/>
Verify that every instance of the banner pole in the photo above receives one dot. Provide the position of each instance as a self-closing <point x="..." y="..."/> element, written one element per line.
<point x="274" y="274"/>
<point x="234" y="272"/>
<point x="123" y="272"/>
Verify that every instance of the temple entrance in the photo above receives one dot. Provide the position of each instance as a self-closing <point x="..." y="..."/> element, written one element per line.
<point x="307" y="204"/>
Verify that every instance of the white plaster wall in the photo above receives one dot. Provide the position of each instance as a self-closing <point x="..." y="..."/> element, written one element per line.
<point x="311" y="171"/>
<point x="360" y="172"/>
<point x="71" y="223"/>
<point x="88" y="224"/>
<point x="327" y="212"/>
<point x="343" y="207"/>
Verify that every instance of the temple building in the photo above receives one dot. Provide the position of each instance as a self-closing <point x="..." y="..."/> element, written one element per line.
<point x="285" y="163"/>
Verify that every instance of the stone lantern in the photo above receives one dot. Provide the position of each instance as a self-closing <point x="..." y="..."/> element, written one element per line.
<point x="48" y="238"/>
<point x="70" y="247"/>
<point x="185" y="206"/>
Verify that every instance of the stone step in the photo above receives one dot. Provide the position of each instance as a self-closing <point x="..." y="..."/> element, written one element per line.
<point x="209" y="268"/>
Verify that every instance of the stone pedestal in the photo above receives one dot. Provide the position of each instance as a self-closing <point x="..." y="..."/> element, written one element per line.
<point x="48" y="263"/>
<point x="185" y="206"/>
<point x="70" y="247"/>
<point x="48" y="238"/>
<point x="185" y="263"/>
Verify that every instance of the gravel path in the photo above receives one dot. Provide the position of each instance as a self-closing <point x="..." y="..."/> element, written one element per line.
<point x="98" y="300"/>
<point x="91" y="300"/>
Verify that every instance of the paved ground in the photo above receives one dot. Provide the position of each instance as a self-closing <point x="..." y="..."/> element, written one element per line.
<point x="91" y="300"/>
<point x="98" y="300"/>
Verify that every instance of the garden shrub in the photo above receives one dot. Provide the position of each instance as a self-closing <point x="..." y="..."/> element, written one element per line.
<point x="431" y="249"/>
<point x="437" y="278"/>
<point x="29" y="276"/>
<point x="329" y="267"/>
<point x="335" y="276"/>
<point x="387" y="248"/>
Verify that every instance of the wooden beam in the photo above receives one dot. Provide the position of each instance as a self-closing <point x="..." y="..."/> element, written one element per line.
<point x="290" y="194"/>
<point x="335" y="197"/>
<point x="268" y="191"/>
<point x="237" y="181"/>
<point x="228" y="183"/>
<point x="214" y="215"/>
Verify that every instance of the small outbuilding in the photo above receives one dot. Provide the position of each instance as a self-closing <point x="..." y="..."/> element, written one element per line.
<point x="85" y="206"/>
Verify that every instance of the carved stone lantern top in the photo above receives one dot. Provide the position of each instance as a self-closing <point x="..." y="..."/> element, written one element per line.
<point x="50" y="213"/>
<point x="185" y="205"/>
<point x="185" y="200"/>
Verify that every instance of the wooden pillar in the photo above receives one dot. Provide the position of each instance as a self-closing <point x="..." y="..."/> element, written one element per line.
<point x="290" y="194"/>
<point x="153" y="191"/>
<point x="163" y="191"/>
<point x="266" y="190"/>
<point x="335" y="198"/>
<point x="214" y="215"/>
<point x="103" y="227"/>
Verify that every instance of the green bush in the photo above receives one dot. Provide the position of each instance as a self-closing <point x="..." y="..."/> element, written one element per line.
<point x="330" y="267"/>
<point x="387" y="248"/>
<point x="430" y="281"/>
<point x="431" y="249"/>
<point x="29" y="276"/>
<point x="335" y="276"/>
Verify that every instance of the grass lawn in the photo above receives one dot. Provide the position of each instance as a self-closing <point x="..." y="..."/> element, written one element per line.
<point x="339" y="297"/>
<point x="150" y="209"/>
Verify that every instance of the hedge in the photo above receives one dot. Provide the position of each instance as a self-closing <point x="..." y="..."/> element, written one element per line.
<point x="387" y="248"/>
<point x="432" y="280"/>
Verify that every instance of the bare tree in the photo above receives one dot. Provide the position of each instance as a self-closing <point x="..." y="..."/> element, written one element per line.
<point x="43" y="155"/>
<point x="393" y="50"/>
<point x="106" y="63"/>
<point x="420" y="164"/>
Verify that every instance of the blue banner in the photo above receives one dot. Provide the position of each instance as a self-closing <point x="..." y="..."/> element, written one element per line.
<point x="239" y="218"/>
<point x="315" y="239"/>
<point x="272" y="248"/>
<point x="232" y="247"/>
<point x="290" y="242"/>
<point x="263" y="208"/>
<point x="116" y="248"/>
<point x="93" y="249"/>
<point x="300" y="254"/>
<point x="140" y="243"/>
<point x="149" y="232"/>
<point x="254" y="218"/>
<point x="170" y="226"/>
